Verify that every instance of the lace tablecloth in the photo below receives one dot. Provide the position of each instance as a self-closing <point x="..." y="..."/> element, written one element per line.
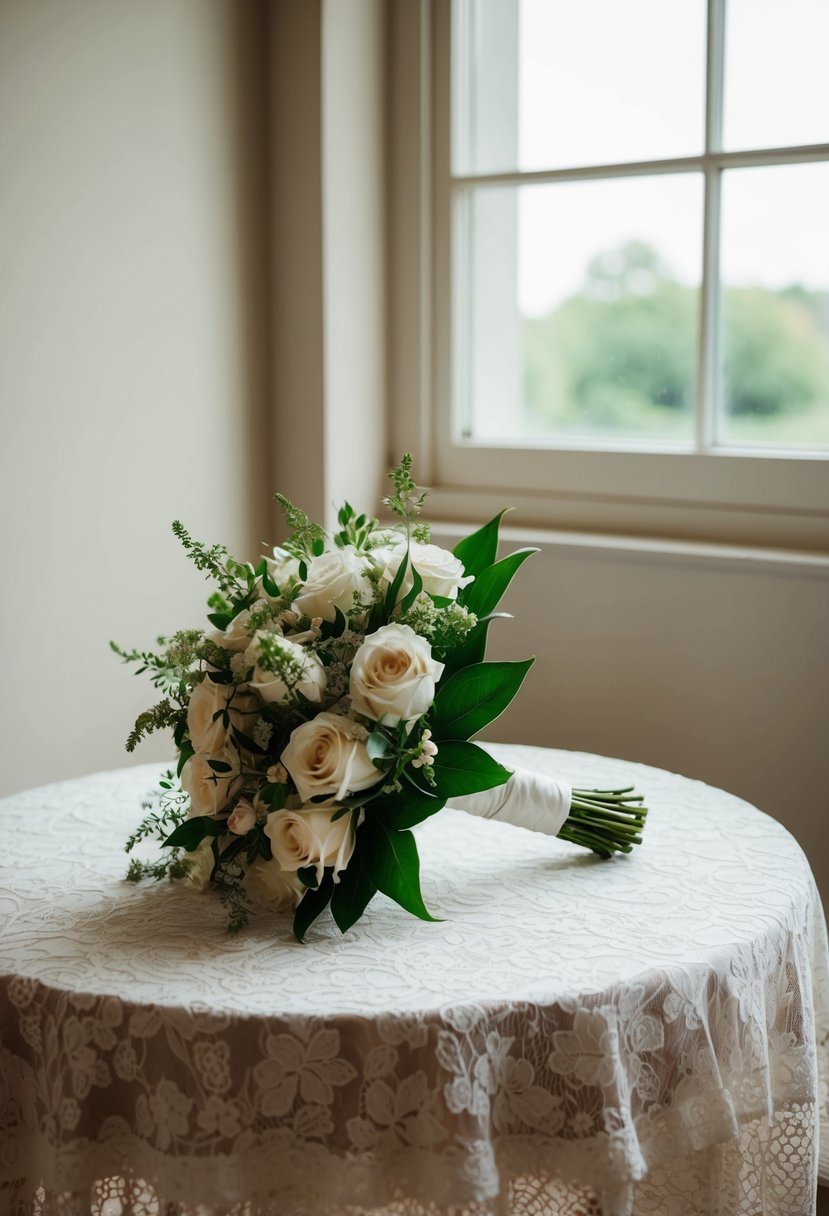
<point x="648" y="1034"/>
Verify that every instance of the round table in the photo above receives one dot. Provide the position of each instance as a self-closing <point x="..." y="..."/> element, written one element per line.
<point x="648" y="1034"/>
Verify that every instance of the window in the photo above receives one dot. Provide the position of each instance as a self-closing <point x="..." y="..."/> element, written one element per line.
<point x="630" y="239"/>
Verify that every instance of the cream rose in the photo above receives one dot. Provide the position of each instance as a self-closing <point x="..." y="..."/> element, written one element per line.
<point x="282" y="567"/>
<point x="237" y="634"/>
<point x="393" y="675"/>
<point x="208" y="699"/>
<point x="442" y="573"/>
<point x="309" y="837"/>
<point x="283" y="667"/>
<point x="327" y="756"/>
<point x="242" y="818"/>
<point x="271" y="886"/>
<point x="332" y="581"/>
<point x="199" y="864"/>
<point x="209" y="790"/>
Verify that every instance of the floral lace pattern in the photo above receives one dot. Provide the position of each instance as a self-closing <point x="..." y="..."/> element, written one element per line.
<point x="648" y="1035"/>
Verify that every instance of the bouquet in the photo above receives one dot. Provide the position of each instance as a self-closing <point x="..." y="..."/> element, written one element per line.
<point x="330" y="708"/>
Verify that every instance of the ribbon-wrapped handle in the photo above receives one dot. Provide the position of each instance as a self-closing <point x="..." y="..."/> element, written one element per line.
<point x="528" y="800"/>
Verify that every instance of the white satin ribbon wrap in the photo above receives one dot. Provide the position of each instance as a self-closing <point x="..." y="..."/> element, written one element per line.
<point x="528" y="800"/>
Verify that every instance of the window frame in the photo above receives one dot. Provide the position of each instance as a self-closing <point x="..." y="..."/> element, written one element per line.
<point x="738" y="495"/>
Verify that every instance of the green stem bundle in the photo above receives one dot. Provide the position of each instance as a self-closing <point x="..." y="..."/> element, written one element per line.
<point x="605" y="821"/>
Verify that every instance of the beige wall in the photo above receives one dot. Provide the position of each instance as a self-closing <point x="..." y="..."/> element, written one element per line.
<point x="131" y="363"/>
<point x="710" y="664"/>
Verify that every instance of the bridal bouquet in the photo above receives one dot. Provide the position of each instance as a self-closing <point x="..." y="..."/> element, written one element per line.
<point x="329" y="709"/>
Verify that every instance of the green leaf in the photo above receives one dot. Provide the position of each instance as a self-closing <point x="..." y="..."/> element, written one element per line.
<point x="268" y="584"/>
<point x="394" y="867"/>
<point x="220" y="620"/>
<point x="314" y="901"/>
<point x="220" y="766"/>
<point x="479" y="550"/>
<point x="411" y="596"/>
<point x="220" y="677"/>
<point x="355" y="890"/>
<point x="307" y="875"/>
<point x="191" y="833"/>
<point x="464" y="768"/>
<point x="380" y="749"/>
<point x="396" y="584"/>
<point x="246" y="742"/>
<point x="186" y="751"/>
<point x="405" y="808"/>
<point x="474" y="697"/>
<point x="484" y="595"/>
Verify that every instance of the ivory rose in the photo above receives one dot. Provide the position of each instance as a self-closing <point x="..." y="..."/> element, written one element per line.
<point x="327" y="756"/>
<point x="209" y="790"/>
<point x="206" y="700"/>
<point x="393" y="675"/>
<point x="309" y="837"/>
<point x="282" y="567"/>
<point x="199" y="864"/>
<point x="332" y="580"/>
<point x="272" y="886"/>
<point x="283" y="667"/>
<point x="442" y="573"/>
<point x="242" y="818"/>
<point x="237" y="634"/>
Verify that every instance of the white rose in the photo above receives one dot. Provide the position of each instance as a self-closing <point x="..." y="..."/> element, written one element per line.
<point x="208" y="790"/>
<point x="328" y="756"/>
<point x="441" y="572"/>
<point x="393" y="676"/>
<point x="282" y="567"/>
<point x="237" y="634"/>
<point x="199" y="864"/>
<point x="332" y="580"/>
<point x="272" y="886"/>
<point x="297" y="669"/>
<point x="242" y="818"/>
<point x="208" y="699"/>
<point x="309" y="837"/>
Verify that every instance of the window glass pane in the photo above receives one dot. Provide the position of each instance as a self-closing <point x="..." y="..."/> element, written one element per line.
<point x="775" y="305"/>
<point x="547" y="84"/>
<point x="579" y="315"/>
<point x="776" y="89"/>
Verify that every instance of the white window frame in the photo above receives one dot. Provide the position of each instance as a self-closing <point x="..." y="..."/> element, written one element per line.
<point x="734" y="495"/>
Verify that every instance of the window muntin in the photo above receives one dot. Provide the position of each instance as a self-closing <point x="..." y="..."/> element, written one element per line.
<point x="502" y="263"/>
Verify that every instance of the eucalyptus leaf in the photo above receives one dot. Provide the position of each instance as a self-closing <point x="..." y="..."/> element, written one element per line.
<point x="380" y="749"/>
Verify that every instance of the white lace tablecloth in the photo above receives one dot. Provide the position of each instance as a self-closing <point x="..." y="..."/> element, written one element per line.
<point x="648" y="1034"/>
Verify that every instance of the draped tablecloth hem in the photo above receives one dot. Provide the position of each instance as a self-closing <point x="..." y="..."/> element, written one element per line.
<point x="277" y="1175"/>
